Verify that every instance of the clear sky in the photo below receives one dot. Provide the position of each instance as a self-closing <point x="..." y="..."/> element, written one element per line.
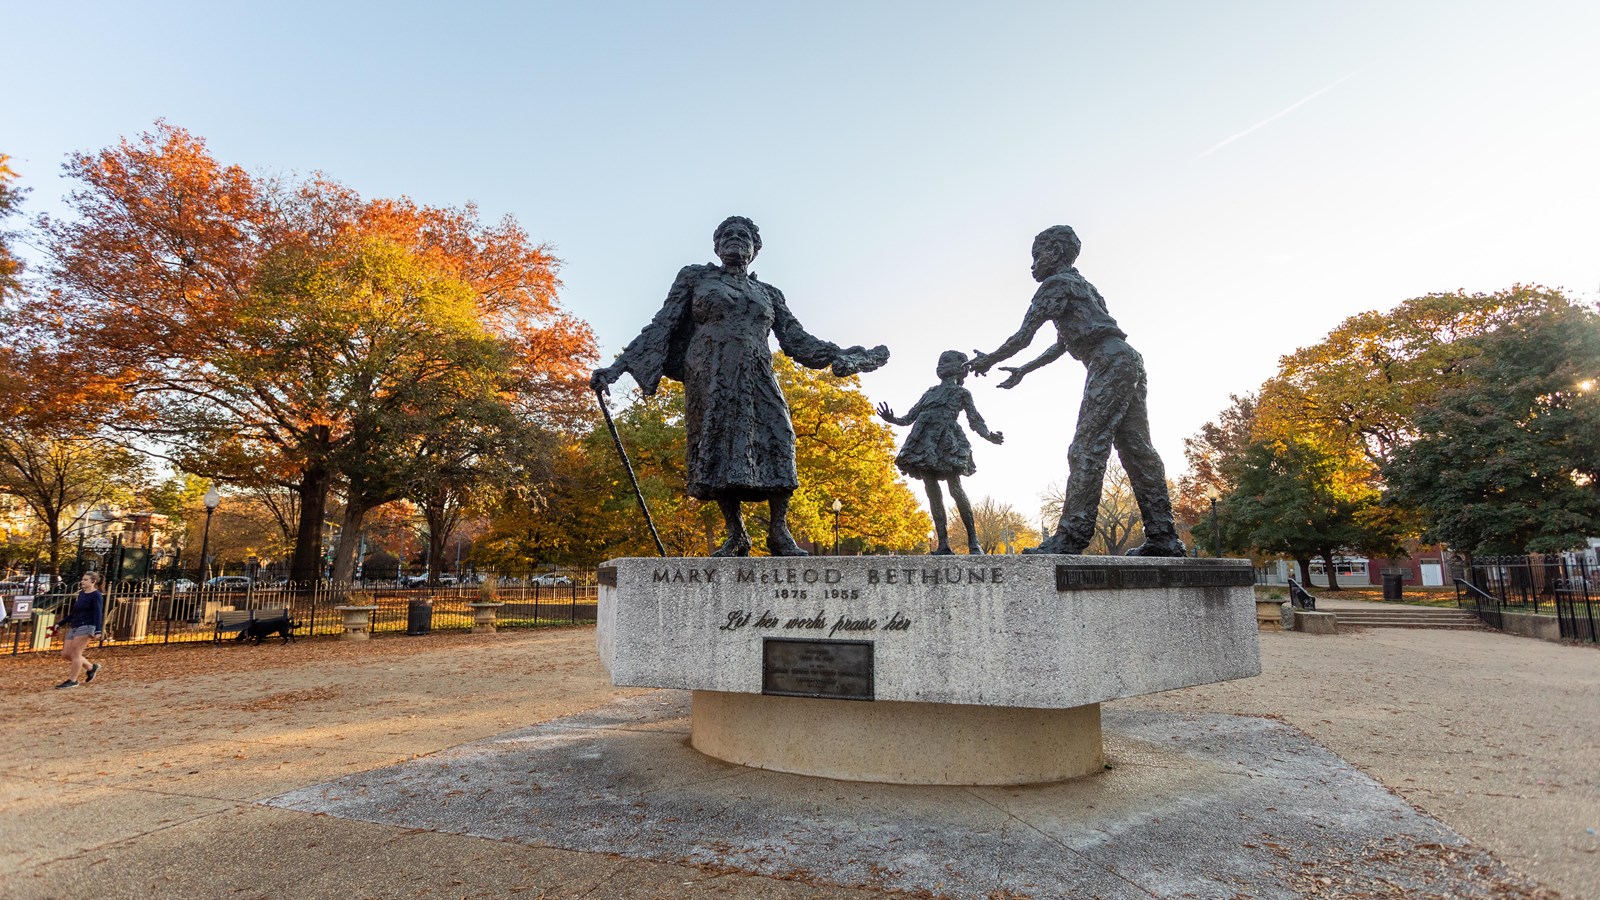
<point x="1243" y="175"/>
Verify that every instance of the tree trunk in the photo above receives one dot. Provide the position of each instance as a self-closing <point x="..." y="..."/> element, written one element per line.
<point x="344" y="557"/>
<point x="1305" y="572"/>
<point x="1333" y="576"/>
<point x="305" y="567"/>
<point x="54" y="528"/>
<point x="436" y="545"/>
<point x="442" y="512"/>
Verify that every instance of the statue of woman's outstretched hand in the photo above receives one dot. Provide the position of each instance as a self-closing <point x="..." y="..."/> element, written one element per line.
<point x="859" y="359"/>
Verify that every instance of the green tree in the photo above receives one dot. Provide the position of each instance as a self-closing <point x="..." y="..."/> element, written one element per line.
<point x="461" y="469"/>
<point x="1295" y="497"/>
<point x="62" y="474"/>
<point x="386" y="351"/>
<point x="587" y="513"/>
<point x="1368" y="377"/>
<point x="844" y="451"/>
<point x="1507" y="460"/>
<point x="1206" y="455"/>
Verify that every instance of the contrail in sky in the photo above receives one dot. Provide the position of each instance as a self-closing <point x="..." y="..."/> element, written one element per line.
<point x="1277" y="115"/>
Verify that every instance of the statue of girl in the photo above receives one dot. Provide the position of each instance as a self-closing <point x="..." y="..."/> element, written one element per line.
<point x="937" y="449"/>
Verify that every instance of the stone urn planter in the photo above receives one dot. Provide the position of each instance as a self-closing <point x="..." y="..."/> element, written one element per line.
<point x="483" y="615"/>
<point x="357" y="622"/>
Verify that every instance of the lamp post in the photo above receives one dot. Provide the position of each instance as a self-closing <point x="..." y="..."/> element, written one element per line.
<point x="1216" y="531"/>
<point x="212" y="500"/>
<point x="837" y="506"/>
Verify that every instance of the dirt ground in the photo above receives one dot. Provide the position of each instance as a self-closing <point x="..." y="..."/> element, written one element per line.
<point x="143" y="783"/>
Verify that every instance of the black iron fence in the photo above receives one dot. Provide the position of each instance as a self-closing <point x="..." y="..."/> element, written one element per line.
<point x="143" y="612"/>
<point x="1563" y="585"/>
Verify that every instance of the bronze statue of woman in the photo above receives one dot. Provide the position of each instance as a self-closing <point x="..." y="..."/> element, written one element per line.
<point x="711" y="334"/>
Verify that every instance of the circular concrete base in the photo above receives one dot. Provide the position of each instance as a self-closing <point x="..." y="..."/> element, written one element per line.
<point x="898" y="743"/>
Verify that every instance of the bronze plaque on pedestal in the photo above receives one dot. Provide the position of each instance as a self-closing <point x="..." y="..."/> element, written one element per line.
<point x="834" y="670"/>
<point x="1099" y="577"/>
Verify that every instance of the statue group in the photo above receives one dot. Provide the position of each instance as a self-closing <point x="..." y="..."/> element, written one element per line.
<point x="712" y="335"/>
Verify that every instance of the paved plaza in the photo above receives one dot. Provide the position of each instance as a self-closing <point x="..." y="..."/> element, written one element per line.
<point x="179" y="773"/>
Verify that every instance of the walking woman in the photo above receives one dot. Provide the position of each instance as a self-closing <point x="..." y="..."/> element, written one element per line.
<point x="86" y="620"/>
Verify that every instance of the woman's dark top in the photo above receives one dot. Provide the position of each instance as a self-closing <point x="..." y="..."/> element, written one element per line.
<point x="712" y="334"/>
<point x="88" y="608"/>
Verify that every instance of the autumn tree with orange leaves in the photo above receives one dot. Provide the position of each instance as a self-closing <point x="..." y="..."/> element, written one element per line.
<point x="284" y="332"/>
<point x="10" y="199"/>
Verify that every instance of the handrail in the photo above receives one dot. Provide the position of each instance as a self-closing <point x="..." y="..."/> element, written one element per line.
<point x="1301" y="598"/>
<point x="1478" y="593"/>
<point x="1486" y="606"/>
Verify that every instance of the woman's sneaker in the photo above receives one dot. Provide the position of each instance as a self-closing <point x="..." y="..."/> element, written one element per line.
<point x="66" y="684"/>
<point x="94" y="669"/>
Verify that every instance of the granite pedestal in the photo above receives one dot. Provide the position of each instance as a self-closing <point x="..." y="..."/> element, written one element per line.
<point x="921" y="670"/>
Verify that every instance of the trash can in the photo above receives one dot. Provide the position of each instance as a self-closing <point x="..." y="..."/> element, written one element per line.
<point x="419" y="617"/>
<point x="1392" y="582"/>
<point x="42" y="623"/>
<point x="131" y="620"/>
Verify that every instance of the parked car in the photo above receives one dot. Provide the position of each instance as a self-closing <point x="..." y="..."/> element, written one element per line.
<point x="551" y="579"/>
<point x="230" y="583"/>
<point x="422" y="580"/>
<point x="181" y="585"/>
<point x="34" y="584"/>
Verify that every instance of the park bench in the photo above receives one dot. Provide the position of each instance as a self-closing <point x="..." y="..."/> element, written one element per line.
<point x="232" y="620"/>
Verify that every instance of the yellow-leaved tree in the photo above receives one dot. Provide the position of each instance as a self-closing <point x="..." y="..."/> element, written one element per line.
<point x="588" y="512"/>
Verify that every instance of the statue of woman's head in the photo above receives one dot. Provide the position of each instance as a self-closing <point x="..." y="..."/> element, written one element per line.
<point x="737" y="237"/>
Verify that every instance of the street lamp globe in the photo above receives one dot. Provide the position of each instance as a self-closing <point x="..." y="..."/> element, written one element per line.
<point x="212" y="499"/>
<point x="836" y="507"/>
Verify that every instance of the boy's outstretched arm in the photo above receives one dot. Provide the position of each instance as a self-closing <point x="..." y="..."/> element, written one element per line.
<point x="1045" y="359"/>
<point x="1032" y="320"/>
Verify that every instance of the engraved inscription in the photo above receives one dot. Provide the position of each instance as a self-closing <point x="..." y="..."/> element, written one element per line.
<point x="801" y="580"/>
<point x="1110" y="578"/>
<point x="740" y="618"/>
<point x="837" y="670"/>
<point x="607" y="575"/>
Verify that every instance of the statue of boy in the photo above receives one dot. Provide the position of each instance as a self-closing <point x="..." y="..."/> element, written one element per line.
<point x="711" y="334"/>
<point x="1113" y="411"/>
